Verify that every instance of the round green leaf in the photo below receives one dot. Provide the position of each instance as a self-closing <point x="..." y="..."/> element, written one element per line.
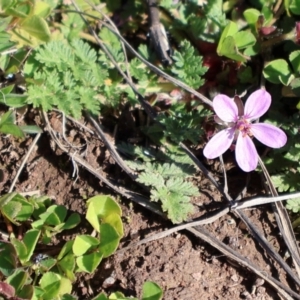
<point x="244" y="39"/>
<point x="65" y="286"/>
<point x="230" y="30"/>
<point x="30" y="240"/>
<point x="83" y="243"/>
<point x="36" y="27"/>
<point x="19" y="247"/>
<point x="67" y="264"/>
<point x="27" y="208"/>
<point x="229" y="49"/>
<point x="295" y="7"/>
<point x="50" y="283"/>
<point x="100" y="207"/>
<point x="151" y="291"/>
<point x="54" y="215"/>
<point x="109" y="239"/>
<point x="42" y="9"/>
<point x="102" y="296"/>
<point x="294" y="58"/>
<point x="11" y="210"/>
<point x="67" y="248"/>
<point x="115" y="221"/>
<point x="89" y="262"/>
<point x="8" y="259"/>
<point x="17" y="279"/>
<point x="251" y="15"/>
<point x="72" y="221"/>
<point x="26" y="292"/>
<point x="277" y="71"/>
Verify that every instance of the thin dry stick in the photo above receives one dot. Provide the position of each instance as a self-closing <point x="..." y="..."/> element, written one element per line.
<point x="283" y="221"/>
<point x="111" y="148"/>
<point x="252" y="229"/>
<point x="281" y="289"/>
<point x="264" y="200"/>
<point x="211" y="217"/>
<point x="243" y="261"/>
<point x="151" y="66"/>
<point x="24" y="162"/>
<point x="120" y="190"/>
<point x="122" y="43"/>
<point x="147" y="107"/>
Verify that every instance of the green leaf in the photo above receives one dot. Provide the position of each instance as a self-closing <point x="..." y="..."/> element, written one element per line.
<point x="11" y="210"/>
<point x="50" y="283"/>
<point x="68" y="297"/>
<point x="295" y="7"/>
<point x="27" y="208"/>
<point x="119" y="296"/>
<point x="55" y="215"/>
<point x="42" y="9"/>
<point x="229" y="49"/>
<point x="26" y="292"/>
<point x="115" y="221"/>
<point x="7" y="117"/>
<point x="83" y="243"/>
<point x="72" y="221"/>
<point x="99" y="207"/>
<point x="16" y="208"/>
<point x="65" y="286"/>
<point x="293" y="205"/>
<point x="10" y="128"/>
<point x="47" y="264"/>
<point x="5" y="43"/>
<point x="251" y="15"/>
<point x="89" y="262"/>
<point x="230" y="30"/>
<point x="8" y="259"/>
<point x="67" y="265"/>
<point x="278" y="71"/>
<point x="138" y="70"/>
<point x="31" y="129"/>
<point x="30" y="240"/>
<point x="244" y="39"/>
<point x="38" y="293"/>
<point x="18" y="279"/>
<point x="6" y="198"/>
<point x="175" y="198"/>
<point x="188" y="65"/>
<point x="66" y="249"/>
<point x="109" y="239"/>
<point x="13" y="100"/>
<point x="294" y="58"/>
<point x="101" y="296"/>
<point x="151" y="291"/>
<point x="37" y="27"/>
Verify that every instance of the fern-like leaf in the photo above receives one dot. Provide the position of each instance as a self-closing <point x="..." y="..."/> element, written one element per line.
<point x="188" y="65"/>
<point x="175" y="197"/>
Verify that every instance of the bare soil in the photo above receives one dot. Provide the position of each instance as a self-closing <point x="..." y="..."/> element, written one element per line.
<point x="184" y="266"/>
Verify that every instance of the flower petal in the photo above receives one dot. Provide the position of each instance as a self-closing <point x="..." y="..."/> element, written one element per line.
<point x="269" y="135"/>
<point x="225" y="108"/>
<point x="257" y="104"/>
<point x="219" y="143"/>
<point x="245" y="153"/>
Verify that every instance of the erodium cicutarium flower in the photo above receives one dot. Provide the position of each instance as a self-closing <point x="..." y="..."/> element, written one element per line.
<point x="239" y="128"/>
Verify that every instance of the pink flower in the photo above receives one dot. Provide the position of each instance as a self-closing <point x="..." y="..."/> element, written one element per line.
<point x="239" y="127"/>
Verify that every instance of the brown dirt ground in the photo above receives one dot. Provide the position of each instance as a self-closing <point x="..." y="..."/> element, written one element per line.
<point x="184" y="266"/>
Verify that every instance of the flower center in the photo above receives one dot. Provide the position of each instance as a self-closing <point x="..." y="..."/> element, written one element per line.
<point x="244" y="127"/>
